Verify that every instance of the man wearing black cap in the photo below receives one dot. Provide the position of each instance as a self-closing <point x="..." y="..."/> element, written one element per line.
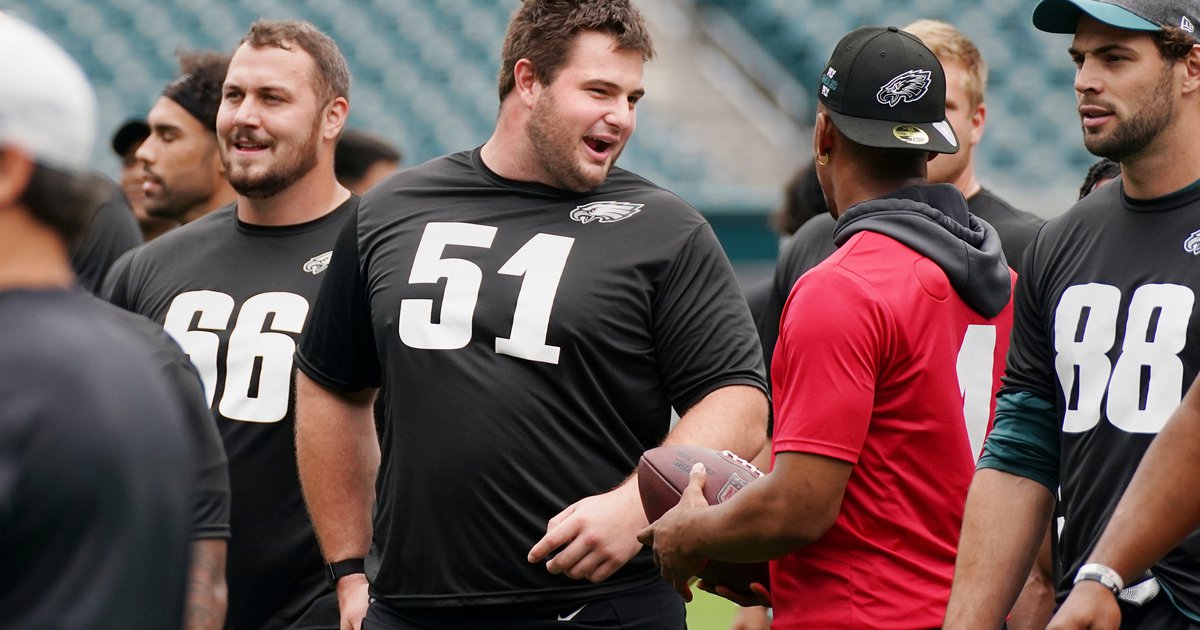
<point x="1104" y="344"/>
<point x="888" y="357"/>
<point x="184" y="176"/>
<point x="125" y="142"/>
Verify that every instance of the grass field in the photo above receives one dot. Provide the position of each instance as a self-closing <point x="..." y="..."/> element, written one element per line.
<point x="709" y="612"/>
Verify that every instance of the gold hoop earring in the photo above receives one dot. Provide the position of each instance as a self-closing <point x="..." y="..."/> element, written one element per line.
<point x="822" y="159"/>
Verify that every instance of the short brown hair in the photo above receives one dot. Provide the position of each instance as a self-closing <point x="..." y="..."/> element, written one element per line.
<point x="1173" y="43"/>
<point x="543" y="31"/>
<point x="66" y="201"/>
<point x="333" y="75"/>
<point x="949" y="44"/>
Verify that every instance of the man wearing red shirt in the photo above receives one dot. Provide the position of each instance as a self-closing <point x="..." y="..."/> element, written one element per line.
<point x="889" y="356"/>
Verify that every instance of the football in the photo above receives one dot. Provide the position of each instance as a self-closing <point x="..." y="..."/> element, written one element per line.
<point x="663" y="474"/>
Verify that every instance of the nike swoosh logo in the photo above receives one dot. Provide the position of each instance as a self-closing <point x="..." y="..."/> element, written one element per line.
<point x="572" y="615"/>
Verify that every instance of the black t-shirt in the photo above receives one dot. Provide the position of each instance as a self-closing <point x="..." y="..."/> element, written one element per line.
<point x="1015" y="227"/>
<point x="532" y="343"/>
<point x="94" y="498"/>
<point x="236" y="297"/>
<point x="210" y="511"/>
<point x="111" y="232"/>
<point x="1106" y="328"/>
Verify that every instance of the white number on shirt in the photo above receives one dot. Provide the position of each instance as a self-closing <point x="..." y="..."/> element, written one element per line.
<point x="540" y="262"/>
<point x="1146" y="384"/>
<point x="258" y="362"/>
<point x="976" y="360"/>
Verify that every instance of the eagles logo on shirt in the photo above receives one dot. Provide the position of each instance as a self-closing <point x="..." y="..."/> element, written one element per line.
<point x="908" y="87"/>
<point x="318" y="263"/>
<point x="605" y="211"/>
<point x="1192" y="244"/>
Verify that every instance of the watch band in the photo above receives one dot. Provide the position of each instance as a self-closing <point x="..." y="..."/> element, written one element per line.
<point x="1102" y="574"/>
<point x="340" y="569"/>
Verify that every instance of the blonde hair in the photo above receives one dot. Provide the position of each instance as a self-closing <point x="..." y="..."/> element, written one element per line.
<point x="949" y="44"/>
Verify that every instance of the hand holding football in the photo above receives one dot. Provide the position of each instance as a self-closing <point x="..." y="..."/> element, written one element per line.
<point x="663" y="475"/>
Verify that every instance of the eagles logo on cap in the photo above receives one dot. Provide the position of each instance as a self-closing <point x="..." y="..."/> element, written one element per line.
<point x="908" y="88"/>
<point x="890" y="91"/>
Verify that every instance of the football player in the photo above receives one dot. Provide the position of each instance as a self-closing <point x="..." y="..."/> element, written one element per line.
<point x="533" y="313"/>
<point x="235" y="287"/>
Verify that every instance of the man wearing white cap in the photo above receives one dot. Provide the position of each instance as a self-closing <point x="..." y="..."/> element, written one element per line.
<point x="95" y="497"/>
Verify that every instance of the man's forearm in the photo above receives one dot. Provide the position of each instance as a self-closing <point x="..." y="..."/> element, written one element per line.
<point x="732" y="417"/>
<point x="1035" y="605"/>
<point x="207" y="596"/>
<point x="1005" y="521"/>
<point x="337" y="453"/>
<point x="791" y="507"/>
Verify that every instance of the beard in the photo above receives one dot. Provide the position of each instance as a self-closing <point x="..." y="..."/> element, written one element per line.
<point x="1151" y="114"/>
<point x="555" y="150"/>
<point x="289" y="167"/>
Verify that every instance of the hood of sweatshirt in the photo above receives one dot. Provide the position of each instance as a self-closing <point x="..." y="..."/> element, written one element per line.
<point x="933" y="220"/>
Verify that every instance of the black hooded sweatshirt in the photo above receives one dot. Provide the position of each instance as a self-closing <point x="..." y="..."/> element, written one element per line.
<point x="933" y="220"/>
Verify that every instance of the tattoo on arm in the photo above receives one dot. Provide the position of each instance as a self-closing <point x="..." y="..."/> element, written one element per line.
<point x="207" y="596"/>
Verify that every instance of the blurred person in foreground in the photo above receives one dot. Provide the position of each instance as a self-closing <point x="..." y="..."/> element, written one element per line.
<point x="95" y="472"/>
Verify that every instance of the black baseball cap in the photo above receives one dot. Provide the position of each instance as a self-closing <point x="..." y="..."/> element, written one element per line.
<point x="883" y="88"/>
<point x="1061" y="16"/>
<point x="130" y="133"/>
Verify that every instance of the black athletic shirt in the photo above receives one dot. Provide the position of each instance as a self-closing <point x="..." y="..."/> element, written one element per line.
<point x="1106" y="329"/>
<point x="210" y="505"/>
<point x="111" y="232"/>
<point x="94" y="496"/>
<point x="532" y="343"/>
<point x="235" y="297"/>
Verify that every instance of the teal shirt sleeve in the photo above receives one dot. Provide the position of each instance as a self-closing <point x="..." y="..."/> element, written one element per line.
<point x="1025" y="439"/>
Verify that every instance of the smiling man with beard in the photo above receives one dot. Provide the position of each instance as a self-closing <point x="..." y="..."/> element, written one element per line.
<point x="1105" y="334"/>
<point x="533" y="314"/>
<point x="234" y="289"/>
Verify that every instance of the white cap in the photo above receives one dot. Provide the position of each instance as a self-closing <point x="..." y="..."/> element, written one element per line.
<point x="47" y="107"/>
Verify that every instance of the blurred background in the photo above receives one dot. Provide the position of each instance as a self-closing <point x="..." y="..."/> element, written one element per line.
<point x="729" y="107"/>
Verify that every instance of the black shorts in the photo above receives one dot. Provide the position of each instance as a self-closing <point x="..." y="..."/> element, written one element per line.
<point x="655" y="605"/>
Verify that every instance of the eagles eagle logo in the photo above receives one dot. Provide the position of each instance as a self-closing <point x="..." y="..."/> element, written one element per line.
<point x="318" y="263"/>
<point x="908" y="87"/>
<point x="605" y="211"/>
<point x="1192" y="244"/>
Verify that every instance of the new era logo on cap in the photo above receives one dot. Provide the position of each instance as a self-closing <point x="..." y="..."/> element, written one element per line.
<point x="890" y="91"/>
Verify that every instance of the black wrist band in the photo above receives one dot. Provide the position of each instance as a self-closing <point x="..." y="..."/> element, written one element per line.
<point x="335" y="571"/>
